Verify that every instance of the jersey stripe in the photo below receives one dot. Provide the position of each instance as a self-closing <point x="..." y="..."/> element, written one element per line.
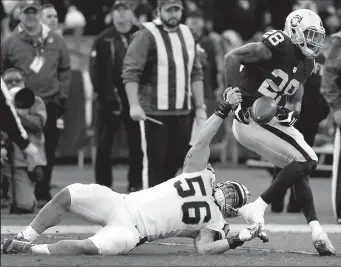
<point x="185" y="62"/>
<point x="162" y="67"/>
<point x="288" y="139"/>
<point x="190" y="45"/>
<point x="171" y="69"/>
<point x="180" y="69"/>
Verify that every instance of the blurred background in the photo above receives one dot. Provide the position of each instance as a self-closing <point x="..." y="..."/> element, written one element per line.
<point x="227" y="24"/>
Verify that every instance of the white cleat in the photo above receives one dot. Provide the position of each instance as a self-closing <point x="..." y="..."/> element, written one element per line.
<point x="322" y="244"/>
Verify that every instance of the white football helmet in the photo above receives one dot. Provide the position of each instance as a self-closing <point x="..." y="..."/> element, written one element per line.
<point x="230" y="196"/>
<point x="305" y="29"/>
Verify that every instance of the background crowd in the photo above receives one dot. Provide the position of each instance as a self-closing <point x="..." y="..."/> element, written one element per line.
<point x="77" y="28"/>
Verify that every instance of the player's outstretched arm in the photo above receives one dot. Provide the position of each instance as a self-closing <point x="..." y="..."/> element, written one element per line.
<point x="246" y="54"/>
<point x="205" y="244"/>
<point x="197" y="157"/>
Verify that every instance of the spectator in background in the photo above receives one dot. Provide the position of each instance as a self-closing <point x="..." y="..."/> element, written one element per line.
<point x="160" y="72"/>
<point x="49" y="17"/>
<point x="196" y="23"/>
<point x="14" y="19"/>
<point x="105" y="69"/>
<point x="331" y="90"/>
<point x="44" y="59"/>
<point x="22" y="175"/>
<point x="143" y="12"/>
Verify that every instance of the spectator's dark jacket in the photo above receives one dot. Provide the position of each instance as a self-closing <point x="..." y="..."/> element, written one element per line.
<point x="33" y="120"/>
<point x="9" y="120"/>
<point x="105" y="66"/>
<point x="51" y="83"/>
<point x="331" y="80"/>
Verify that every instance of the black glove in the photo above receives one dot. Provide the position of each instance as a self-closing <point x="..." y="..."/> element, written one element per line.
<point x="223" y="109"/>
<point x="234" y="242"/>
<point x="241" y="115"/>
<point x="286" y="117"/>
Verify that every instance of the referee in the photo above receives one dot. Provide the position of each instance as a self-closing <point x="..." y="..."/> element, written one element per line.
<point x="10" y="124"/>
<point x="161" y="72"/>
<point x="331" y="90"/>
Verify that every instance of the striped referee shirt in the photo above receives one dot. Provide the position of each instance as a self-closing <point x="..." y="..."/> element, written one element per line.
<point x="164" y="64"/>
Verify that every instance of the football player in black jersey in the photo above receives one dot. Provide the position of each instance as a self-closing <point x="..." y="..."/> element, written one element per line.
<point x="314" y="109"/>
<point x="278" y="66"/>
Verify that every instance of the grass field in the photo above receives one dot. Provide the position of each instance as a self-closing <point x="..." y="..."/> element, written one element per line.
<point x="290" y="240"/>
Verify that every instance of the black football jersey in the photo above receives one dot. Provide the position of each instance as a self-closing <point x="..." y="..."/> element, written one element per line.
<point x="280" y="76"/>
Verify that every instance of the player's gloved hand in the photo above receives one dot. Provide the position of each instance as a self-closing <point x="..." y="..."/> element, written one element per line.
<point x="249" y="232"/>
<point x="241" y="115"/>
<point x="234" y="242"/>
<point x="286" y="116"/>
<point x="231" y="98"/>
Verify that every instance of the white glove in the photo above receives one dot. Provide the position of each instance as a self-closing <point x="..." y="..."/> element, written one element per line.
<point x="249" y="232"/>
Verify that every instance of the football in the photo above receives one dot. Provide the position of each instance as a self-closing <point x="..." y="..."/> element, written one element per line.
<point x="263" y="110"/>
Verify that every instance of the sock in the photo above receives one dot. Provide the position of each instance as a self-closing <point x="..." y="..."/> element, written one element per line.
<point x="305" y="199"/>
<point x="315" y="226"/>
<point x="40" y="249"/>
<point x="286" y="178"/>
<point x="261" y="204"/>
<point x="30" y="234"/>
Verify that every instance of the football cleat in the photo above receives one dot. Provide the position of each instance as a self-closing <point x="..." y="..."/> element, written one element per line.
<point x="14" y="246"/>
<point x="322" y="244"/>
<point x="20" y="237"/>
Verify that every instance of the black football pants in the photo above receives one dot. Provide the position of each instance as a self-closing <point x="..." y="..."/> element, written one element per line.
<point x="164" y="147"/>
<point x="51" y="133"/>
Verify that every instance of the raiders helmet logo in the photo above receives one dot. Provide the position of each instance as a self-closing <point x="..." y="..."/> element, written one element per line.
<point x="296" y="20"/>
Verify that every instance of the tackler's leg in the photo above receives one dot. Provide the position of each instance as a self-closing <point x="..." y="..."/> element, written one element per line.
<point x="88" y="201"/>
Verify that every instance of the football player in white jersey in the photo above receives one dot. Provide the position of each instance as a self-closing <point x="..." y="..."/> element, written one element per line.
<point x="189" y="205"/>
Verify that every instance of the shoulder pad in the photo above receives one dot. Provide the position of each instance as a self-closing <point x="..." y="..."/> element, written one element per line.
<point x="276" y="41"/>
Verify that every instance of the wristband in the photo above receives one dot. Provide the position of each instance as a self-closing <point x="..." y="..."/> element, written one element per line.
<point x="234" y="242"/>
<point x="223" y="109"/>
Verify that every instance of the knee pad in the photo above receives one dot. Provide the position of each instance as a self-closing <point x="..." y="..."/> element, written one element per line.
<point x="308" y="167"/>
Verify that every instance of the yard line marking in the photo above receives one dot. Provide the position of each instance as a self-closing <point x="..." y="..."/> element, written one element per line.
<point x="91" y="229"/>
<point x="170" y="244"/>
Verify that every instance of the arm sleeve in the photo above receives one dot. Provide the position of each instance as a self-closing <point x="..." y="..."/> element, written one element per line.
<point x="64" y="71"/>
<point x="331" y="79"/>
<point x="197" y="71"/>
<point x="137" y="56"/>
<point x="10" y="122"/>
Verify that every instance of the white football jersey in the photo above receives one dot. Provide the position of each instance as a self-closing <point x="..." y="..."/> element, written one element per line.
<point x="179" y="207"/>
